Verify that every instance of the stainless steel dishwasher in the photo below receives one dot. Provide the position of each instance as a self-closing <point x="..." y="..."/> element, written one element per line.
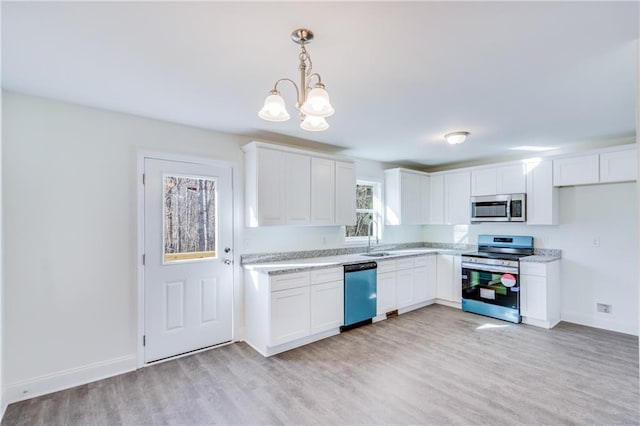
<point x="360" y="294"/>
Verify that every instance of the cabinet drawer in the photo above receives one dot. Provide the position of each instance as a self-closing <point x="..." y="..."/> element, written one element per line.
<point x="530" y="268"/>
<point x="327" y="275"/>
<point x="386" y="266"/>
<point x="419" y="261"/>
<point x="287" y="281"/>
<point x="405" y="263"/>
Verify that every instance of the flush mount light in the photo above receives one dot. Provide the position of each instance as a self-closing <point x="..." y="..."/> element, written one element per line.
<point x="313" y="103"/>
<point x="455" y="138"/>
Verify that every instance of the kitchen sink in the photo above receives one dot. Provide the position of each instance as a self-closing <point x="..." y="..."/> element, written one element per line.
<point x="377" y="254"/>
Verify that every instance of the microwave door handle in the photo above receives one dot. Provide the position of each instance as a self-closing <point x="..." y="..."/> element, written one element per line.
<point x="509" y="209"/>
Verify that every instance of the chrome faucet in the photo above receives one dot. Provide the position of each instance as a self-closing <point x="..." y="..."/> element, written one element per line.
<point x="369" y="235"/>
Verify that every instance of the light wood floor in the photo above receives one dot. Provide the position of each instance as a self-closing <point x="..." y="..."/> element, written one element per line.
<point x="437" y="365"/>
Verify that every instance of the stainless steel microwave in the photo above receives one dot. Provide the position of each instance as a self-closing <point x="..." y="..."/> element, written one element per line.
<point x="499" y="208"/>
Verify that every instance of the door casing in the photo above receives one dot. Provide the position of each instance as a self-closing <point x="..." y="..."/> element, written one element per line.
<point x="237" y="288"/>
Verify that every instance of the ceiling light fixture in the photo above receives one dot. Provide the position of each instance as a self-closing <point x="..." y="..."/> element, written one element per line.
<point x="313" y="103"/>
<point x="455" y="138"/>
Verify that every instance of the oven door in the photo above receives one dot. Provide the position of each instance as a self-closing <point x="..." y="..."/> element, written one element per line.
<point x="496" y="285"/>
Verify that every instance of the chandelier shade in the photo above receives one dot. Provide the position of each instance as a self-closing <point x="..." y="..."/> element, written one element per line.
<point x="314" y="104"/>
<point x="274" y="108"/>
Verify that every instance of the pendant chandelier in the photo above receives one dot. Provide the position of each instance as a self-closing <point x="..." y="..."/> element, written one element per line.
<point x="313" y="103"/>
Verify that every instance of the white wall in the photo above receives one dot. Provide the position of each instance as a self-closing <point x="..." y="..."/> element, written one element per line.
<point x="69" y="180"/>
<point x="605" y="274"/>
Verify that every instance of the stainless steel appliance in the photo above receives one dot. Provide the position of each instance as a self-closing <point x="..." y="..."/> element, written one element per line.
<point x="499" y="208"/>
<point x="490" y="277"/>
<point x="360" y="294"/>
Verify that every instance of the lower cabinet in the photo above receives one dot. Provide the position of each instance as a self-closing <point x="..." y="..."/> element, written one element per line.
<point x="405" y="283"/>
<point x="327" y="310"/>
<point x="387" y="290"/>
<point x="289" y="310"/>
<point x="540" y="293"/>
<point x="449" y="281"/>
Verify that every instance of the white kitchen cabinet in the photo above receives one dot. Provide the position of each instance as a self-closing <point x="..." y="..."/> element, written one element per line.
<point x="578" y="170"/>
<point x="498" y="180"/>
<point x="404" y="198"/>
<point x="436" y="200"/>
<point x="457" y="194"/>
<point x="484" y="182"/>
<point x="449" y="281"/>
<point x="322" y="191"/>
<point x="542" y="196"/>
<point x="386" y="292"/>
<point x="266" y="190"/>
<point x="290" y="310"/>
<point x="420" y="286"/>
<point x="540" y="293"/>
<point x="405" y="288"/>
<point x="297" y="182"/>
<point x="431" y="281"/>
<point x="425" y="199"/>
<point x="345" y="190"/>
<point x="327" y="299"/>
<point x="619" y="166"/>
<point x="511" y="179"/>
<point x="327" y="306"/>
<point x="286" y="186"/>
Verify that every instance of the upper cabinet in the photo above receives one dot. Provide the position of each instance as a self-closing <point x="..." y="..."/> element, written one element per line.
<point x="579" y="170"/>
<point x="619" y="166"/>
<point x="436" y="199"/>
<point x="611" y="165"/>
<point x="294" y="187"/>
<point x="406" y="197"/>
<point x="457" y="194"/>
<point x="499" y="180"/>
<point x="542" y="198"/>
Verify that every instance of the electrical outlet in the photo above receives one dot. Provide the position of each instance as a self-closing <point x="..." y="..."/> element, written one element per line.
<point x="604" y="308"/>
<point x="596" y="241"/>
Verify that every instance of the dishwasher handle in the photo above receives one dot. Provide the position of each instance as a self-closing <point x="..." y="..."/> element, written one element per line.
<point x="360" y="267"/>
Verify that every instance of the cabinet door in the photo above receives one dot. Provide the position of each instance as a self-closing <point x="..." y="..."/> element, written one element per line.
<point x="290" y="312"/>
<point x="271" y="187"/>
<point x="436" y="200"/>
<point x="297" y="184"/>
<point x="533" y="296"/>
<point x="425" y="202"/>
<point x="327" y="306"/>
<point x="456" y="280"/>
<point x="457" y="194"/>
<point x="322" y="191"/>
<point x="405" y="288"/>
<point x="386" y="291"/>
<point x="619" y="166"/>
<point x="483" y="182"/>
<point x="420" y="290"/>
<point x="345" y="193"/>
<point x="432" y="277"/>
<point x="511" y="179"/>
<point x="542" y="205"/>
<point x="444" y="277"/>
<point x="578" y="170"/>
<point x="410" y="187"/>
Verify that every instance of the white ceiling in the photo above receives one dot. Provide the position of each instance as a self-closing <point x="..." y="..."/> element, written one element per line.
<point x="400" y="75"/>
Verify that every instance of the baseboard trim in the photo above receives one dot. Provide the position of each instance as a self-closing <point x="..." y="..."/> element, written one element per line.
<point x="602" y="322"/>
<point x="66" y="379"/>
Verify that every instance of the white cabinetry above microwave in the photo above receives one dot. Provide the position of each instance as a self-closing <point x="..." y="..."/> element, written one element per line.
<point x="286" y="186"/>
<point x="498" y="180"/>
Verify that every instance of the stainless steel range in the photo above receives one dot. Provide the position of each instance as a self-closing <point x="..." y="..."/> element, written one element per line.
<point x="491" y="276"/>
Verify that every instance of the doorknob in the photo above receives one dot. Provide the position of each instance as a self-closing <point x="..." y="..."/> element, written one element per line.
<point x="228" y="261"/>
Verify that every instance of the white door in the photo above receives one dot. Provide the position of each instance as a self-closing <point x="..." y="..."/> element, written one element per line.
<point x="188" y="234"/>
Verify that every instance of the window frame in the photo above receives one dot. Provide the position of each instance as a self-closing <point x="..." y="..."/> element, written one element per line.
<point x="378" y="213"/>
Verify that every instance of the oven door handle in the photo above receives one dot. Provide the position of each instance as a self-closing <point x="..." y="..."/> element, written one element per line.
<point x="490" y="268"/>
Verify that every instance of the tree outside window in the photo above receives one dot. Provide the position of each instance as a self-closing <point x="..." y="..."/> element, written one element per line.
<point x="368" y="208"/>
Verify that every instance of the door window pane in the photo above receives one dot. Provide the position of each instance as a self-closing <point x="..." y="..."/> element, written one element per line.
<point x="189" y="218"/>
